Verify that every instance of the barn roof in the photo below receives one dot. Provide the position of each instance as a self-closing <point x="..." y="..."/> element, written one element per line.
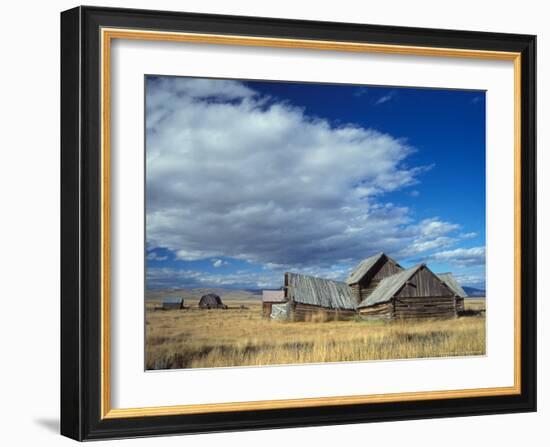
<point x="364" y="267"/>
<point x="452" y="283"/>
<point x="319" y="292"/>
<point x="172" y="299"/>
<point x="273" y="296"/>
<point x="389" y="286"/>
<point x="211" y="297"/>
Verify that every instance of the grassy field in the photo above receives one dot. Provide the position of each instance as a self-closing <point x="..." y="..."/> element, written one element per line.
<point x="194" y="338"/>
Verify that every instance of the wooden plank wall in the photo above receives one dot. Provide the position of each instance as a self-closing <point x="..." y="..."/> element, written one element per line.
<point x="305" y="312"/>
<point x="266" y="310"/>
<point x="356" y="292"/>
<point x="168" y="306"/>
<point x="424" y="283"/>
<point x="425" y="307"/>
<point x="380" y="310"/>
<point x="369" y="282"/>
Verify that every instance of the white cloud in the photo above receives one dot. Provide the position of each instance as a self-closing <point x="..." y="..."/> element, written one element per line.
<point x="476" y="280"/>
<point x="153" y="256"/>
<point x="386" y="98"/>
<point x="236" y="174"/>
<point x="219" y="263"/>
<point x="429" y="234"/>
<point x="167" y="277"/>
<point x="462" y="256"/>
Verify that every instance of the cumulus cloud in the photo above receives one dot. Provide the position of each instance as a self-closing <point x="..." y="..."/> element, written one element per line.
<point x="476" y="280"/>
<point x="233" y="173"/>
<point x="429" y="234"/>
<point x="169" y="277"/>
<point x="462" y="256"/>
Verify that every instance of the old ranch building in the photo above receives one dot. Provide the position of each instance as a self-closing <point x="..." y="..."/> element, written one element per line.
<point x="378" y="288"/>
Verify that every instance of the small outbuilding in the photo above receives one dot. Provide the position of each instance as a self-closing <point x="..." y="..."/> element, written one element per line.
<point x="172" y="302"/>
<point x="269" y="298"/>
<point x="211" y="301"/>
<point x="317" y="299"/>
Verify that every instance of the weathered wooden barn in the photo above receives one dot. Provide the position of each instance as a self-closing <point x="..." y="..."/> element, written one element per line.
<point x="269" y="298"/>
<point x="211" y="301"/>
<point x="413" y="293"/>
<point x="172" y="302"/>
<point x="377" y="288"/>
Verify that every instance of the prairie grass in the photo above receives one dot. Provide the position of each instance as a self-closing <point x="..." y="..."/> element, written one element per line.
<point x="194" y="338"/>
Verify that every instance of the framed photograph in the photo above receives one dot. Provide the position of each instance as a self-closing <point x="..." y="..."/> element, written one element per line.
<point x="274" y="223"/>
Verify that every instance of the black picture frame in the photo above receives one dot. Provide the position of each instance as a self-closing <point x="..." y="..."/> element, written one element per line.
<point x="81" y="224"/>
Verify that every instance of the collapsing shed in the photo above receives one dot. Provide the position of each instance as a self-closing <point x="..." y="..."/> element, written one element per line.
<point x="413" y="293"/>
<point x="172" y="302"/>
<point x="211" y="301"/>
<point x="314" y="298"/>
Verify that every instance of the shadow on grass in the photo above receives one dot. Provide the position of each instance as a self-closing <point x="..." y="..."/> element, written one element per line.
<point x="472" y="313"/>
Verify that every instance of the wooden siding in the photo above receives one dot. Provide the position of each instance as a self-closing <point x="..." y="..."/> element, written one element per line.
<point x="460" y="305"/>
<point x="425" y="307"/>
<point x="356" y="293"/>
<point x="306" y="312"/>
<point x="266" y="309"/>
<point x="424" y="283"/>
<point x="424" y="295"/>
<point x="380" y="310"/>
<point x="384" y="268"/>
<point x="168" y="306"/>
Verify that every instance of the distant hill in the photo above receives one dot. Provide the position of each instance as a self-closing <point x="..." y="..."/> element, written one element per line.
<point x="473" y="292"/>
<point x="225" y="294"/>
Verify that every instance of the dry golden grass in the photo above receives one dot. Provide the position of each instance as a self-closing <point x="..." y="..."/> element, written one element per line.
<point x="194" y="338"/>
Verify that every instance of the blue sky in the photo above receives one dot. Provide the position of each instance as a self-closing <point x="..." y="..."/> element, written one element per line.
<point x="247" y="180"/>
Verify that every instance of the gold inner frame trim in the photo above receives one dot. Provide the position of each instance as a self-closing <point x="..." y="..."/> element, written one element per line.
<point x="107" y="35"/>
